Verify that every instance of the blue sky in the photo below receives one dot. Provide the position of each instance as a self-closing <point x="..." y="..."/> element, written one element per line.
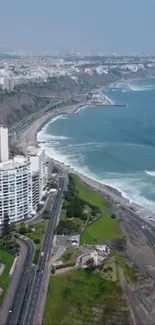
<point x="78" y="25"/>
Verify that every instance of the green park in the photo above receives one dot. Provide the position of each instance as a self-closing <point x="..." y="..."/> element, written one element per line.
<point x="82" y="297"/>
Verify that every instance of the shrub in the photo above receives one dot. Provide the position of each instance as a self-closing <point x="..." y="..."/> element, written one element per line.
<point x="37" y="241"/>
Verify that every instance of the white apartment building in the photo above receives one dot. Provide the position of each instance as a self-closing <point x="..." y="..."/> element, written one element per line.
<point x="35" y="191"/>
<point x="4" y="148"/>
<point x="15" y="189"/>
<point x="38" y="162"/>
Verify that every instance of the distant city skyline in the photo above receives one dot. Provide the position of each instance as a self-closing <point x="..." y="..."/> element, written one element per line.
<point x="78" y="26"/>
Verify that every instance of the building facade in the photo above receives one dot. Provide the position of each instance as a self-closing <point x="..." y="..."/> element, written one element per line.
<point x="35" y="190"/>
<point x="15" y="189"/>
<point x="4" y="148"/>
<point x="38" y="162"/>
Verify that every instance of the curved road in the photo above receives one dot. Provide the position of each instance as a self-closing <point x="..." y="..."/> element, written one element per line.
<point x="11" y="301"/>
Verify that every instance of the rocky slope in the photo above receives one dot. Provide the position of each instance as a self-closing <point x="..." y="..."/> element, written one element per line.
<point x="17" y="105"/>
<point x="28" y="99"/>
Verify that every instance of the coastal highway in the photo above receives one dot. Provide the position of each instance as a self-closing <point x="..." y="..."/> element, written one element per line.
<point x="146" y="227"/>
<point x="15" y="294"/>
<point x="39" y="287"/>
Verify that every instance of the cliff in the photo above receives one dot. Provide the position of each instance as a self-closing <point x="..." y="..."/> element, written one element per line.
<point x="28" y="99"/>
<point x="17" y="105"/>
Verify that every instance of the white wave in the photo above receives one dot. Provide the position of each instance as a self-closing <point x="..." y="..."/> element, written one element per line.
<point x="131" y="189"/>
<point x="150" y="173"/>
<point x="57" y="137"/>
<point x="107" y="144"/>
<point x="85" y="144"/>
<point x="42" y="132"/>
<point x="130" y="185"/>
<point x="50" y="138"/>
<point x="140" y="87"/>
<point x="109" y="99"/>
<point x="97" y="146"/>
<point x="125" y="90"/>
<point x="63" y="117"/>
<point x="43" y="136"/>
<point x="81" y="108"/>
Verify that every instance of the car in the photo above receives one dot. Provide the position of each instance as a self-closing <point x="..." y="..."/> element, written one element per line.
<point x="10" y="311"/>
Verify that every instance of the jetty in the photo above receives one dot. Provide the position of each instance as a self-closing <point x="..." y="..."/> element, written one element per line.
<point x="100" y="104"/>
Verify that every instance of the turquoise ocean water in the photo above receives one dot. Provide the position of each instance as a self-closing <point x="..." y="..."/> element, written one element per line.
<point x="114" y="145"/>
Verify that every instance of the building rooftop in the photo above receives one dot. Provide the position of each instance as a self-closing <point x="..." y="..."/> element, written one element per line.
<point x="34" y="163"/>
<point x="31" y="150"/>
<point x="34" y="151"/>
<point x="13" y="163"/>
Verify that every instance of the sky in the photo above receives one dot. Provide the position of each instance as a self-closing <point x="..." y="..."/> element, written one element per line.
<point x="85" y="26"/>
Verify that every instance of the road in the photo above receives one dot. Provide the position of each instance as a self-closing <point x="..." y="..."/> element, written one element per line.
<point x="146" y="227"/>
<point x="15" y="294"/>
<point x="34" y="312"/>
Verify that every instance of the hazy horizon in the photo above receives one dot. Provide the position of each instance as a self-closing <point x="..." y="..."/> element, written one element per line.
<point x="75" y="26"/>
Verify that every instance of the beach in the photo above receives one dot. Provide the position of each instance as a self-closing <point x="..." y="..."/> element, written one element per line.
<point x="28" y="137"/>
<point x="29" y="133"/>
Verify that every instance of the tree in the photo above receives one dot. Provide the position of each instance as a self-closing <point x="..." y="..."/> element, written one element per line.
<point x="22" y="229"/>
<point x="6" y="225"/>
<point x="13" y="227"/>
<point x="69" y="213"/>
<point x="90" y="263"/>
<point x="83" y="216"/>
<point x="53" y="270"/>
<point x="37" y="241"/>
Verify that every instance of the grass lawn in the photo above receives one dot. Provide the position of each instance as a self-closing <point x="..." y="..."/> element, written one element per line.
<point x="7" y="259"/>
<point x="39" y="232"/>
<point x="85" y="298"/>
<point x="110" y="262"/>
<point x="105" y="228"/>
<point x="70" y="255"/>
<point x="63" y="214"/>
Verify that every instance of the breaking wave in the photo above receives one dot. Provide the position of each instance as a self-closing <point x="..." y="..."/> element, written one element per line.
<point x="150" y="173"/>
<point x="107" y="153"/>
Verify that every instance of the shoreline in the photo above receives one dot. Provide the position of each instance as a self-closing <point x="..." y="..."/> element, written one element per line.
<point x="29" y="138"/>
<point x="29" y="134"/>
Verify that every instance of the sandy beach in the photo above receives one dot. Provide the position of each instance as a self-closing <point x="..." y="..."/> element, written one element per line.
<point x="29" y="133"/>
<point x="28" y="137"/>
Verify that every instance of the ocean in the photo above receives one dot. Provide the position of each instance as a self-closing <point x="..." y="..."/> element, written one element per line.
<point x="113" y="145"/>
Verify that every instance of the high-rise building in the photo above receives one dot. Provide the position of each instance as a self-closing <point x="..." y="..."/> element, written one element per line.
<point x="4" y="147"/>
<point x="39" y="178"/>
<point x="22" y="181"/>
<point x="15" y="189"/>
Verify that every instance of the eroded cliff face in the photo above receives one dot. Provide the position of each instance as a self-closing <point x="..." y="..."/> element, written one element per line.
<point x="16" y="106"/>
<point x="28" y="99"/>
